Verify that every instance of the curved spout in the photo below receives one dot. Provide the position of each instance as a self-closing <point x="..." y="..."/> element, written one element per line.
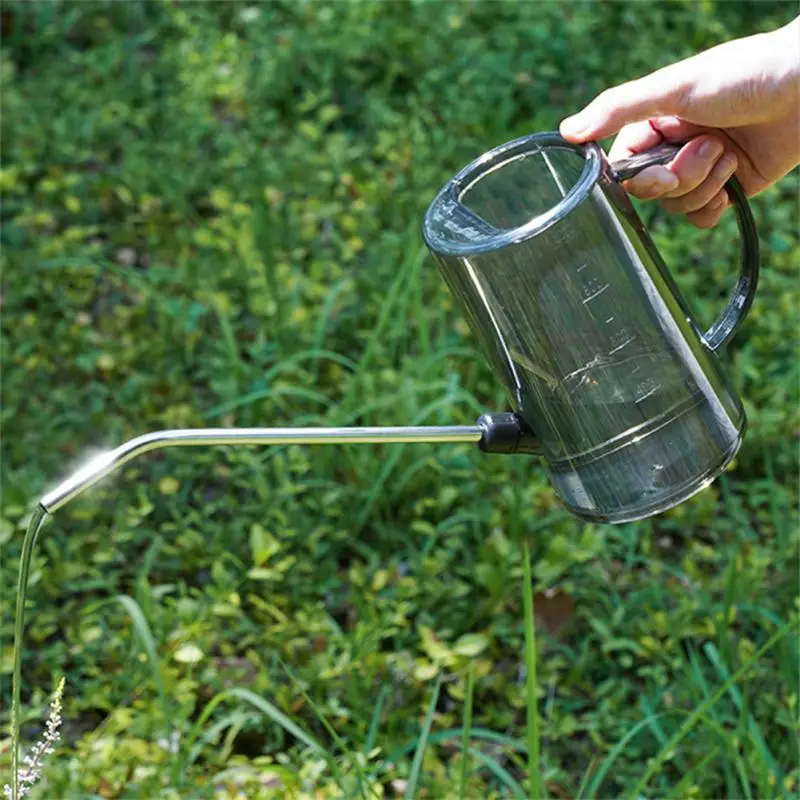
<point x="108" y="462"/>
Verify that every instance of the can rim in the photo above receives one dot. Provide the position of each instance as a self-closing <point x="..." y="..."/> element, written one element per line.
<point x="450" y="195"/>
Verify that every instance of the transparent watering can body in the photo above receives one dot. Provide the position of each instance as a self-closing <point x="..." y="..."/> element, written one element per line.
<point x="609" y="377"/>
<point x="577" y="314"/>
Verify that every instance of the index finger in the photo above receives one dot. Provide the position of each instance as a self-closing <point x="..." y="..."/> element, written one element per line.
<point x="662" y="92"/>
<point x="634" y="138"/>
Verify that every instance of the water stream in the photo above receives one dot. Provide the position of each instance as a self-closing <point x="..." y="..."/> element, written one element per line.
<point x="37" y="521"/>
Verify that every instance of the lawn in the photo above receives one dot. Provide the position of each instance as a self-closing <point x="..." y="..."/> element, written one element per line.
<point x="211" y="217"/>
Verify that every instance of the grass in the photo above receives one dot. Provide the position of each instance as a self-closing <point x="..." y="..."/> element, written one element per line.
<point x="465" y="737"/>
<point x="667" y="750"/>
<point x="419" y="753"/>
<point x="211" y="216"/>
<point x="531" y="684"/>
<point x="147" y="641"/>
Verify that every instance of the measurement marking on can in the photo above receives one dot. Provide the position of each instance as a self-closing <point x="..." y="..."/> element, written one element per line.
<point x="619" y="339"/>
<point x="591" y="288"/>
<point x="619" y="347"/>
<point x="645" y="389"/>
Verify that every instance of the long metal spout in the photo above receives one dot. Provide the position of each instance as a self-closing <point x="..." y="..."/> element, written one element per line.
<point x="108" y="462"/>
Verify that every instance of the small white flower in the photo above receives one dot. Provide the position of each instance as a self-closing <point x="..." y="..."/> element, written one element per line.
<point x="28" y="776"/>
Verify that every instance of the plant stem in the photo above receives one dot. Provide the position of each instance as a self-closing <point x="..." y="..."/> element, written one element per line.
<point x="530" y="667"/>
<point x="466" y="731"/>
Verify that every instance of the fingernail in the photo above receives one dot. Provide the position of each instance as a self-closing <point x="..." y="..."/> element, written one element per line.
<point x="726" y="165"/>
<point x="710" y="149"/>
<point x="659" y="180"/>
<point x="667" y="184"/>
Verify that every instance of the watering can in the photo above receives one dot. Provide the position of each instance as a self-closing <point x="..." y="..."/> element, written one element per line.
<point x="609" y="378"/>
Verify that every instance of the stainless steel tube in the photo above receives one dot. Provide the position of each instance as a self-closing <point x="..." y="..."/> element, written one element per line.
<point x="108" y="462"/>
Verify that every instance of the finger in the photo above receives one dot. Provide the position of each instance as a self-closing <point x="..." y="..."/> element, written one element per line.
<point x="634" y="138"/>
<point x="694" y="163"/>
<point x="661" y="93"/>
<point x="702" y="195"/>
<point x="641" y="136"/>
<point x="709" y="215"/>
<point x="651" y="182"/>
<point x="675" y="129"/>
<point x="678" y="130"/>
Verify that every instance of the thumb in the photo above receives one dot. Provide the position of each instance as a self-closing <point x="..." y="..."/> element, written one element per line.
<point x="660" y="94"/>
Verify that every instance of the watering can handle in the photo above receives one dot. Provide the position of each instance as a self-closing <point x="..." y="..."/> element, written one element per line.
<point x="741" y="299"/>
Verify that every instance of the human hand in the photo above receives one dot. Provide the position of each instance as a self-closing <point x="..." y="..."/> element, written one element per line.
<point x="737" y="103"/>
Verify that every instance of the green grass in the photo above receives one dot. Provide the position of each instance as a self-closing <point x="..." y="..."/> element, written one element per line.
<point x="531" y="684"/>
<point x="419" y="753"/>
<point x="466" y="734"/>
<point x="211" y="216"/>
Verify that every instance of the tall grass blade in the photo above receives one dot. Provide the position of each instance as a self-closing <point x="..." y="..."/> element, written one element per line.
<point x="610" y="759"/>
<point x="416" y="764"/>
<point x="779" y="520"/>
<point x="462" y="792"/>
<point x="145" y="636"/>
<point x="455" y="733"/>
<point x="391" y="461"/>
<point x="585" y="780"/>
<point x="277" y="716"/>
<point x="767" y="759"/>
<point x="194" y="740"/>
<point x="324" y="318"/>
<point x="730" y="779"/>
<point x="710" y="701"/>
<point x="502" y="774"/>
<point x="188" y="749"/>
<point x="616" y="751"/>
<point x="372" y="733"/>
<point x="320" y="715"/>
<point x="265" y="394"/>
<point x="680" y="790"/>
<point x="235" y="719"/>
<point x="530" y="674"/>
<point x="420" y="316"/>
<point x="384" y="316"/>
<point x="659" y="732"/>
